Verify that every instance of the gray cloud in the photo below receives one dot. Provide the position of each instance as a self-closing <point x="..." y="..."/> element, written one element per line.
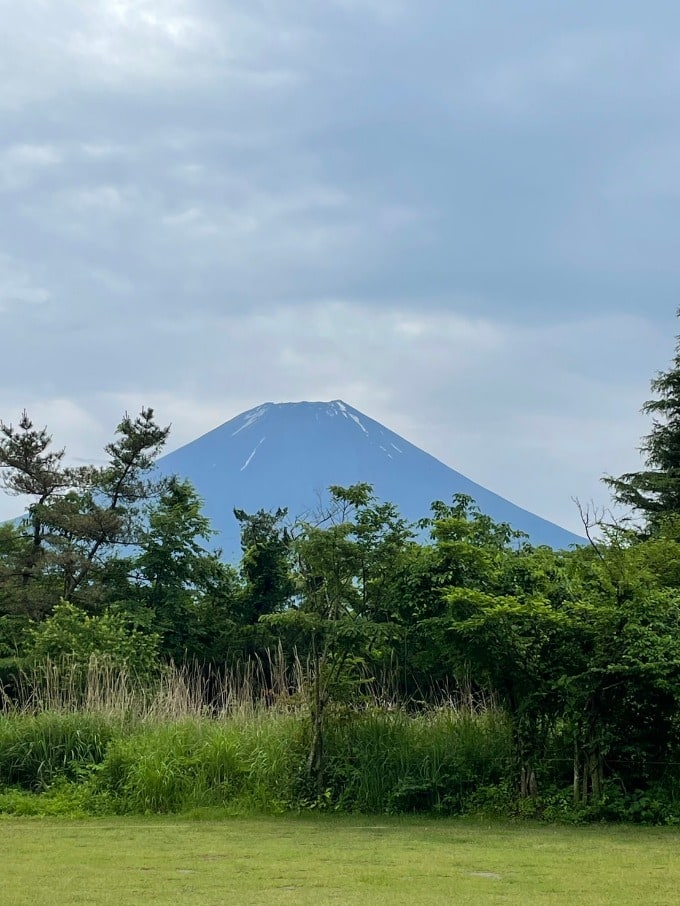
<point x="534" y="412"/>
<point x="460" y="217"/>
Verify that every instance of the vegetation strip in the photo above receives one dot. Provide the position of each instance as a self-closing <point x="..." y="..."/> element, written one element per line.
<point x="347" y="664"/>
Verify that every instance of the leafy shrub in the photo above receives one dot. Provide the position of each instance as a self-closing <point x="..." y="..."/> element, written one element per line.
<point x="63" y="799"/>
<point x="114" y="637"/>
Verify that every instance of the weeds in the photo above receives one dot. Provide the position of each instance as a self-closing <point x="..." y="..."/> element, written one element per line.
<point x="100" y="741"/>
<point x="237" y="739"/>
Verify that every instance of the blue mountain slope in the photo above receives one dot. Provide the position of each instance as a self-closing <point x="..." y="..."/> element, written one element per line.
<point x="287" y="454"/>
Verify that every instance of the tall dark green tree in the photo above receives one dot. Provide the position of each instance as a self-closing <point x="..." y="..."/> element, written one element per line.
<point x="654" y="492"/>
<point x="29" y="468"/>
<point x="266" y="563"/>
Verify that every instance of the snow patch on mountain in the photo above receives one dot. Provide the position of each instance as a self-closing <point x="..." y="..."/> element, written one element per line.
<point x="250" y="458"/>
<point x="249" y="418"/>
<point x="338" y="406"/>
<point x="357" y="420"/>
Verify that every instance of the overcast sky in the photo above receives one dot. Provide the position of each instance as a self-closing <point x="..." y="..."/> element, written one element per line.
<point x="459" y="217"/>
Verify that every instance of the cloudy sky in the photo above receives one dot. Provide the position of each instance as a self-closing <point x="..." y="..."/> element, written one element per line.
<point x="459" y="217"/>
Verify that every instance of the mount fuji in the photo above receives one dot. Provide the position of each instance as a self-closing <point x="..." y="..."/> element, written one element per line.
<point x="288" y="454"/>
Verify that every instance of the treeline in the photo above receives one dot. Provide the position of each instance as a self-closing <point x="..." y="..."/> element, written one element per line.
<point x="579" y="649"/>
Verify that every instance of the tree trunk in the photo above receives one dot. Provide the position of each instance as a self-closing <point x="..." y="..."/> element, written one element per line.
<point x="526" y="749"/>
<point x="577" y="771"/>
<point x="528" y="783"/>
<point x="592" y="776"/>
<point x="316" y="709"/>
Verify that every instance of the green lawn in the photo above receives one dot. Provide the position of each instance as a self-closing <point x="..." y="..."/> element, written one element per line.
<point x="331" y="860"/>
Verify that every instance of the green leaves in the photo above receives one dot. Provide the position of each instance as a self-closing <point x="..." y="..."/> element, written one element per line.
<point x="115" y="637"/>
<point x="76" y="515"/>
<point x="654" y="492"/>
<point x="266" y="563"/>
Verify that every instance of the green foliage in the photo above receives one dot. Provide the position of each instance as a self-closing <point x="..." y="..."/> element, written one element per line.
<point x="654" y="492"/>
<point x="389" y="761"/>
<point x="579" y="652"/>
<point x="11" y="669"/>
<point x="443" y="761"/>
<point x="246" y="762"/>
<point x="76" y="515"/>
<point x="14" y="629"/>
<point x="378" y="761"/>
<point x="35" y="750"/>
<point x="191" y="593"/>
<point x="62" y="799"/>
<point x="115" y="637"/>
<point x="266" y="563"/>
<point x="344" y="581"/>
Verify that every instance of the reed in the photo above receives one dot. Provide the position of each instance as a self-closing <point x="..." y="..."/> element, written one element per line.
<point x="240" y="738"/>
<point x="176" y="692"/>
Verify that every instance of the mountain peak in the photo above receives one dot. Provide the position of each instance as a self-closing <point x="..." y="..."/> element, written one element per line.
<point x="288" y="454"/>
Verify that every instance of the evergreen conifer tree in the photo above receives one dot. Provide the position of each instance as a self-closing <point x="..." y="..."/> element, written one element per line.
<point x="654" y="492"/>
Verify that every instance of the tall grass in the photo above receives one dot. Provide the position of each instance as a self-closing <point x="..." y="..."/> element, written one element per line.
<point x="35" y="749"/>
<point x="377" y="762"/>
<point x="175" y="693"/>
<point x="240" y="739"/>
<point x="429" y="761"/>
<point x="253" y="761"/>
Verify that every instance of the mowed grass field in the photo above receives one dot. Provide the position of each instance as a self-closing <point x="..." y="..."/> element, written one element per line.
<point x="329" y="859"/>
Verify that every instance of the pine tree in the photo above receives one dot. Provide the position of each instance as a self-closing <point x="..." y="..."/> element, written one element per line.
<point x="654" y="492"/>
<point x="76" y="516"/>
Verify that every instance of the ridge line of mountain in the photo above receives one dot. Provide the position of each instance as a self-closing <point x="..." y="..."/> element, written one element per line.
<point x="286" y="454"/>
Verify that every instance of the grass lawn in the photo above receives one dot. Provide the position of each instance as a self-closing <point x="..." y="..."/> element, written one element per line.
<point x="328" y="859"/>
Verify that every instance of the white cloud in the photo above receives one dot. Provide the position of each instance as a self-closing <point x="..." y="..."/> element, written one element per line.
<point x="144" y="39"/>
<point x="134" y="47"/>
<point x="17" y="288"/>
<point x="23" y="165"/>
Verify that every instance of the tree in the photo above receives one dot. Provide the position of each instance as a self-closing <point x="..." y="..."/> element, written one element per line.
<point x="266" y="563"/>
<point x="77" y="515"/>
<point x="28" y="467"/>
<point x="383" y="538"/>
<point x="468" y="550"/>
<point x="339" y="579"/>
<point x="621" y="682"/>
<point x="491" y="622"/>
<point x="654" y="492"/>
<point x="190" y="591"/>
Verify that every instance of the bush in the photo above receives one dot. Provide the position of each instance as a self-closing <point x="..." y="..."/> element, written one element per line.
<point x="62" y="799"/>
<point x="114" y="637"/>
